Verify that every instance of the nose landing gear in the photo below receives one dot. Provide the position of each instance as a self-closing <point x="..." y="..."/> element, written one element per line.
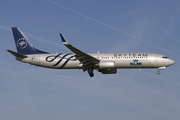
<point x="160" y="68"/>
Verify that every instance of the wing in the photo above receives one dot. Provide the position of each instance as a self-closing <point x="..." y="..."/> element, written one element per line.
<point x="85" y="59"/>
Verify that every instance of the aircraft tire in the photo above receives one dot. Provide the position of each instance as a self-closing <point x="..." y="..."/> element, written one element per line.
<point x="91" y="74"/>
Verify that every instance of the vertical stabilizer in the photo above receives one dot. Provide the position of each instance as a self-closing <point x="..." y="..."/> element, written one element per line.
<point x="22" y="43"/>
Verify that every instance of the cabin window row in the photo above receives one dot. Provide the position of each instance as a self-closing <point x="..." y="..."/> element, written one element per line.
<point x="120" y="57"/>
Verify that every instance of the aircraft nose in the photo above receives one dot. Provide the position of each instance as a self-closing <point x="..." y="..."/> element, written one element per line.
<point x="171" y="62"/>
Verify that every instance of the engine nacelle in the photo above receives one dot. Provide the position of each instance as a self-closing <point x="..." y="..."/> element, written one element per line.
<point x="106" y="64"/>
<point x="108" y="71"/>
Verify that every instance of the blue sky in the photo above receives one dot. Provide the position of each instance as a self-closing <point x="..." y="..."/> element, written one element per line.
<point x="29" y="92"/>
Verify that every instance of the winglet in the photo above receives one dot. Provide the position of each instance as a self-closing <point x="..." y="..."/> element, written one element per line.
<point x="63" y="39"/>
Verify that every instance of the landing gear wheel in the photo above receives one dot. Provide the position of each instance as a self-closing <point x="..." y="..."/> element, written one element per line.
<point x="158" y="72"/>
<point x="91" y="74"/>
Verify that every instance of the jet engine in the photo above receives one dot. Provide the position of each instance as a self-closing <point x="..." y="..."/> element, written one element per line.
<point x="106" y="64"/>
<point x="108" y="71"/>
<point x="107" y="67"/>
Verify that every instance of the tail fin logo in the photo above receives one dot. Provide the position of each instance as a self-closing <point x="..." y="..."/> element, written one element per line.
<point x="21" y="43"/>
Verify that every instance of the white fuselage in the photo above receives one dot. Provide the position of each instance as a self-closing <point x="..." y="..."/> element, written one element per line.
<point x="120" y="60"/>
<point x="106" y="63"/>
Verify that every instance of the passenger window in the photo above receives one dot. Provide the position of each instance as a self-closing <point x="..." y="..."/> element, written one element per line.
<point x="164" y="57"/>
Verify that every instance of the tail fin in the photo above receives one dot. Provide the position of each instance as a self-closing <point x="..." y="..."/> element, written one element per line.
<point x="22" y="43"/>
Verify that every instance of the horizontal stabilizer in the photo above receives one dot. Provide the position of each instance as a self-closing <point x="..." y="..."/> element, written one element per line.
<point x="18" y="55"/>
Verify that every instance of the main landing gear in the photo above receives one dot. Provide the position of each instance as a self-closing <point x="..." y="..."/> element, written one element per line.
<point x="90" y="71"/>
<point x="158" y="72"/>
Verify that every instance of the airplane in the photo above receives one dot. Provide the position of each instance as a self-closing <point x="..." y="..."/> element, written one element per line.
<point x="106" y="63"/>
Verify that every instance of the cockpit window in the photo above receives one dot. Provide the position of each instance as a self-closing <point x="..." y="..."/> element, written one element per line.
<point x="164" y="57"/>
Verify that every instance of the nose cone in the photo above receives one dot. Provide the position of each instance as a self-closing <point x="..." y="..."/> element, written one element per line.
<point x="171" y="62"/>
